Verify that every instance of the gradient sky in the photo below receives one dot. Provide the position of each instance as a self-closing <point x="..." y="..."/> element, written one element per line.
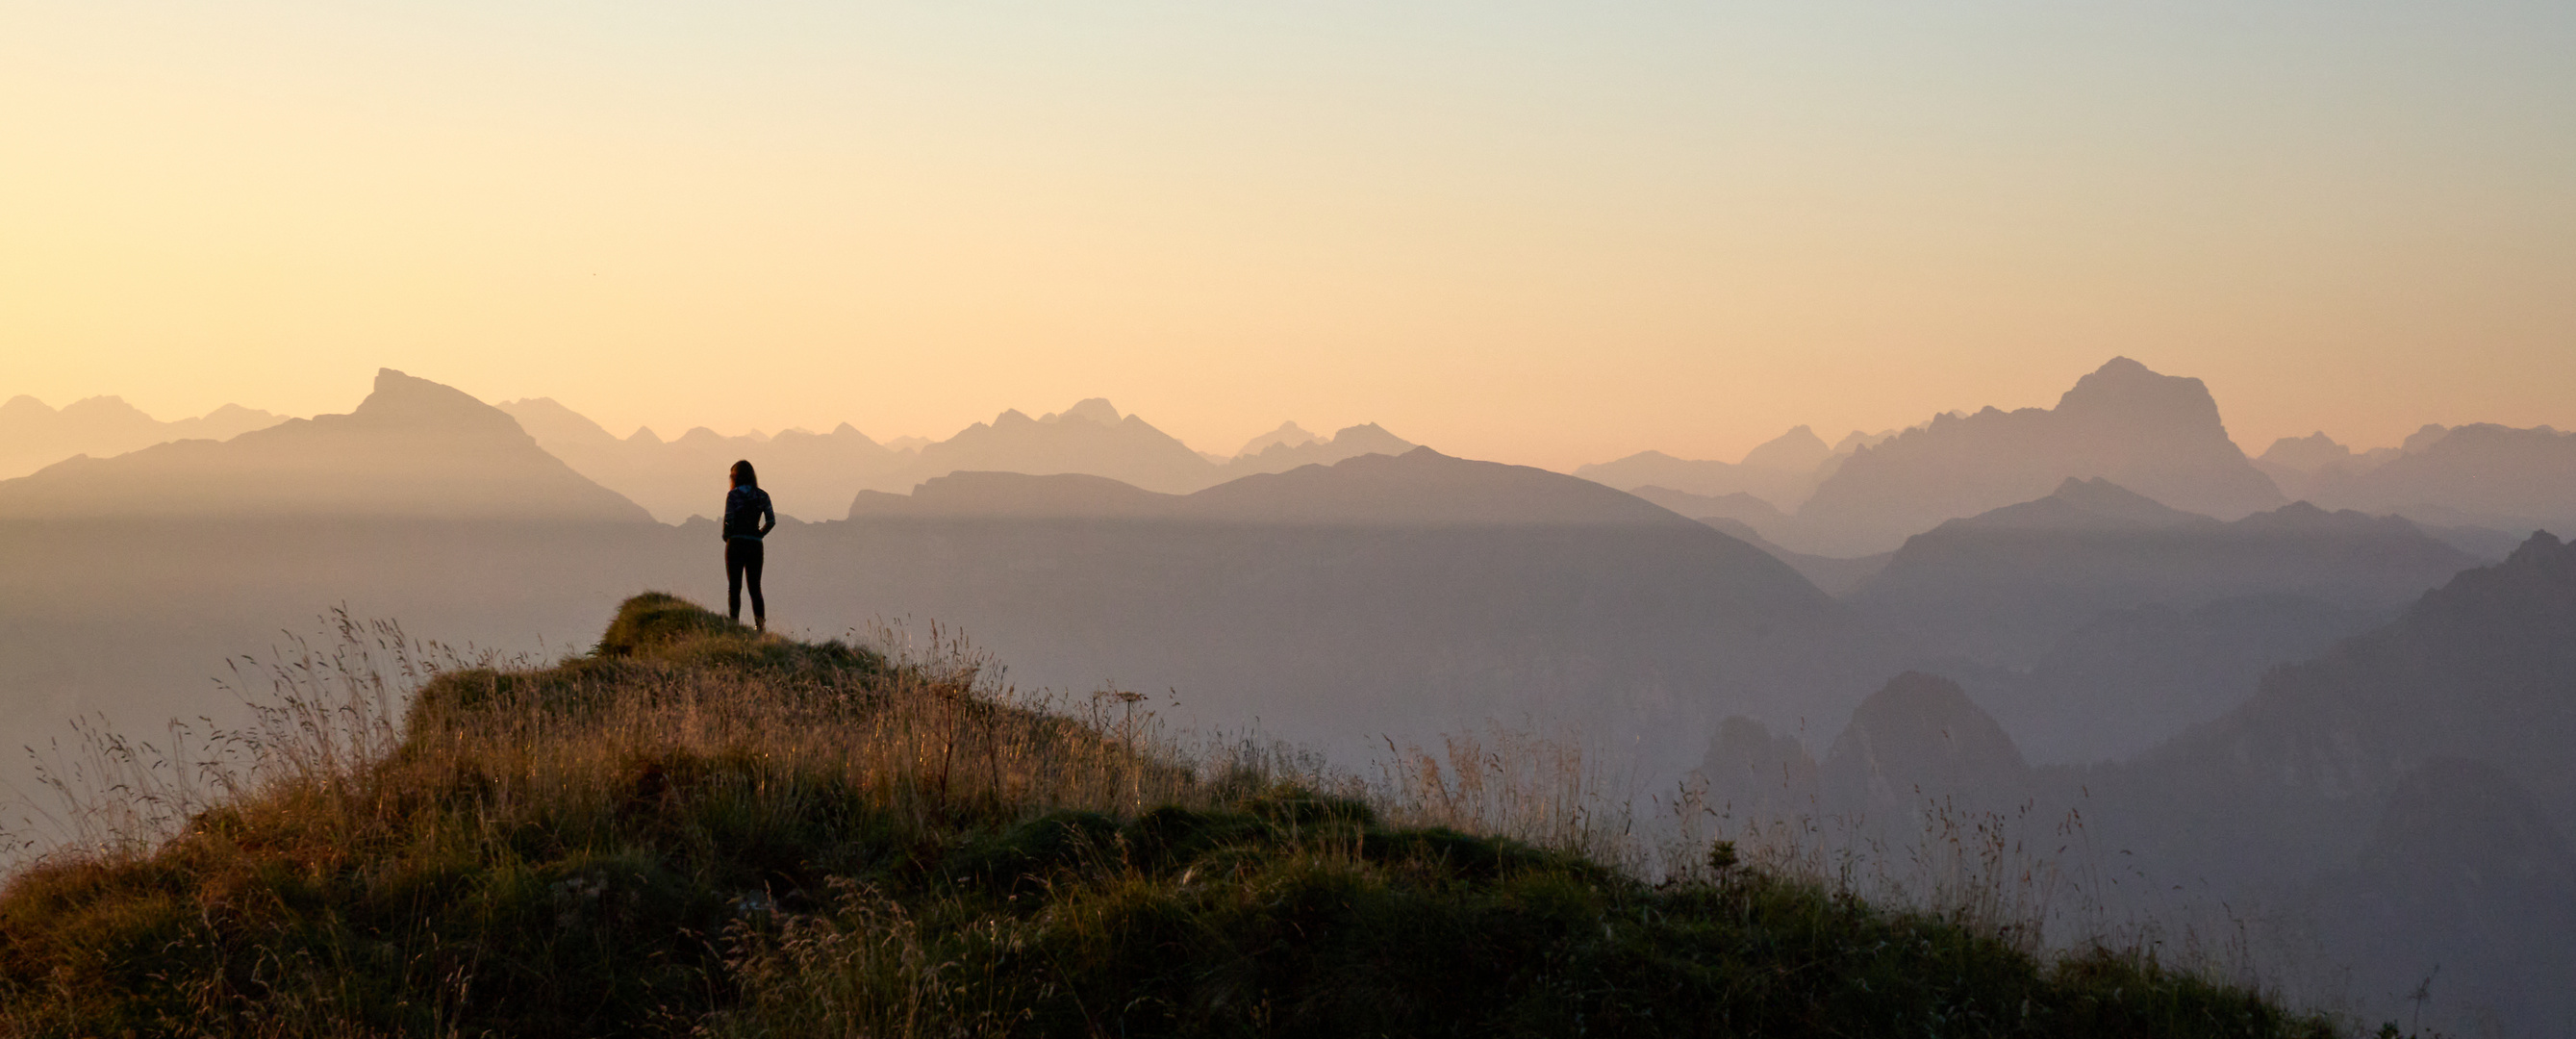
<point x="1537" y="233"/>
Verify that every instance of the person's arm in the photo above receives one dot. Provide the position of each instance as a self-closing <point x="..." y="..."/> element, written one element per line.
<point x="768" y="515"/>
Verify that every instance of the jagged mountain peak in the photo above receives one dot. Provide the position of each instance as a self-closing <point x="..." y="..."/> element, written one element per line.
<point x="1920" y="734"/>
<point x="1095" y="410"/>
<point x="1915" y="705"/>
<point x="1798" y="450"/>
<point x="2309" y="453"/>
<point x="2539" y="545"/>
<point x="1289" y="434"/>
<point x="2156" y="434"/>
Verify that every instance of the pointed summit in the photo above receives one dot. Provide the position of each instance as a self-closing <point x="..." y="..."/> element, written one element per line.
<point x="1289" y="434"/>
<point x="1798" y="450"/>
<point x="1921" y="734"/>
<point x="2306" y="454"/>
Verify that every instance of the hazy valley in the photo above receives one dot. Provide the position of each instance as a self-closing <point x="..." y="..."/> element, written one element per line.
<point x="2328" y="683"/>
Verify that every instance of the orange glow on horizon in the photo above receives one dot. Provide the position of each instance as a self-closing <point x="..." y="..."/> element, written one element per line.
<point x="1549" y="238"/>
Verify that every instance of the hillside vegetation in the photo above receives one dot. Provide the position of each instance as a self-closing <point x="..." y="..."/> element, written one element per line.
<point x="696" y="829"/>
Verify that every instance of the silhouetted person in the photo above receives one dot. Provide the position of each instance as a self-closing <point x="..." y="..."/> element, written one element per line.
<point x="747" y="519"/>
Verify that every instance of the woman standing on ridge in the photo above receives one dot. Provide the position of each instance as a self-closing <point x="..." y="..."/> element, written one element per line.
<point x="747" y="519"/>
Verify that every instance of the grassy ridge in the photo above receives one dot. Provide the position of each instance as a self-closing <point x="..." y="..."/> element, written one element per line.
<point x="700" y="829"/>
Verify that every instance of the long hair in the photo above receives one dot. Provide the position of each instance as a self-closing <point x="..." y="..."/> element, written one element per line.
<point x="743" y="476"/>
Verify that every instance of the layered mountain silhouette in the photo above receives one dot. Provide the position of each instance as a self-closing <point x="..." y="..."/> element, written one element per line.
<point x="1450" y="590"/>
<point x="1834" y="575"/>
<point x="2479" y="669"/>
<point x="33" y="435"/>
<point x="1739" y="506"/>
<point x="2413" y="781"/>
<point x="412" y="449"/>
<point x="2003" y="586"/>
<point x="1404" y="596"/>
<point x="2131" y="678"/>
<point x="1090" y="437"/>
<point x="1420" y="488"/>
<point x="2481" y="475"/>
<point x="2297" y="465"/>
<point x="807" y="474"/>
<point x="1348" y="442"/>
<point x="1779" y="472"/>
<point x="1745" y="517"/>
<point x="1915" y="749"/>
<point x="815" y="475"/>
<point x="2154" y="434"/>
<point x="1289" y="434"/>
<point x="1918" y="739"/>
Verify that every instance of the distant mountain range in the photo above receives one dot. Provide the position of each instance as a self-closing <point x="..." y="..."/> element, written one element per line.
<point x="413" y="449"/>
<point x="2154" y="434"/>
<point x="1449" y="589"/>
<point x="2003" y="586"/>
<point x="2479" y="487"/>
<point x="815" y="476"/>
<point x="2095" y="622"/>
<point x="1780" y="472"/>
<point x="2481" y="475"/>
<point x="2415" y="780"/>
<point x="2271" y="706"/>
<point x="33" y="435"/>
<point x="812" y="474"/>
<point x="2399" y="804"/>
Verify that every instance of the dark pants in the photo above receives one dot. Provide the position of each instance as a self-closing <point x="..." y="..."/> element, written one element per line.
<point x="742" y="557"/>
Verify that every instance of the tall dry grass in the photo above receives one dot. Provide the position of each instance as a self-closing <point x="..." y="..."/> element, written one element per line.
<point x="691" y="778"/>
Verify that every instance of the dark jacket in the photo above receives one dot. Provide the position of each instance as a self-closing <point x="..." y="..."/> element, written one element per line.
<point x="747" y="514"/>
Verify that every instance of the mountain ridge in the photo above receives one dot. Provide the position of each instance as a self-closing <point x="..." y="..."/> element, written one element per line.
<point x="412" y="447"/>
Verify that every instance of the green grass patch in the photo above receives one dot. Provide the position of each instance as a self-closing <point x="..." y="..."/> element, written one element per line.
<point x="699" y="829"/>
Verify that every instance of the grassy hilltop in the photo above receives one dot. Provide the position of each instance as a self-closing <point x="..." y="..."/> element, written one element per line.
<point x="697" y="829"/>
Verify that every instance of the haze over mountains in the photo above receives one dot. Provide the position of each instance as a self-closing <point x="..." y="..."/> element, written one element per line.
<point x="814" y="476"/>
<point x="2003" y="586"/>
<point x="2264" y="698"/>
<point x="412" y="449"/>
<point x="1446" y="588"/>
<point x="2402" y="801"/>
<point x="2482" y="474"/>
<point x="1780" y="472"/>
<point x="2421" y="765"/>
<point x="2474" y="486"/>
<point x="33" y="435"/>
